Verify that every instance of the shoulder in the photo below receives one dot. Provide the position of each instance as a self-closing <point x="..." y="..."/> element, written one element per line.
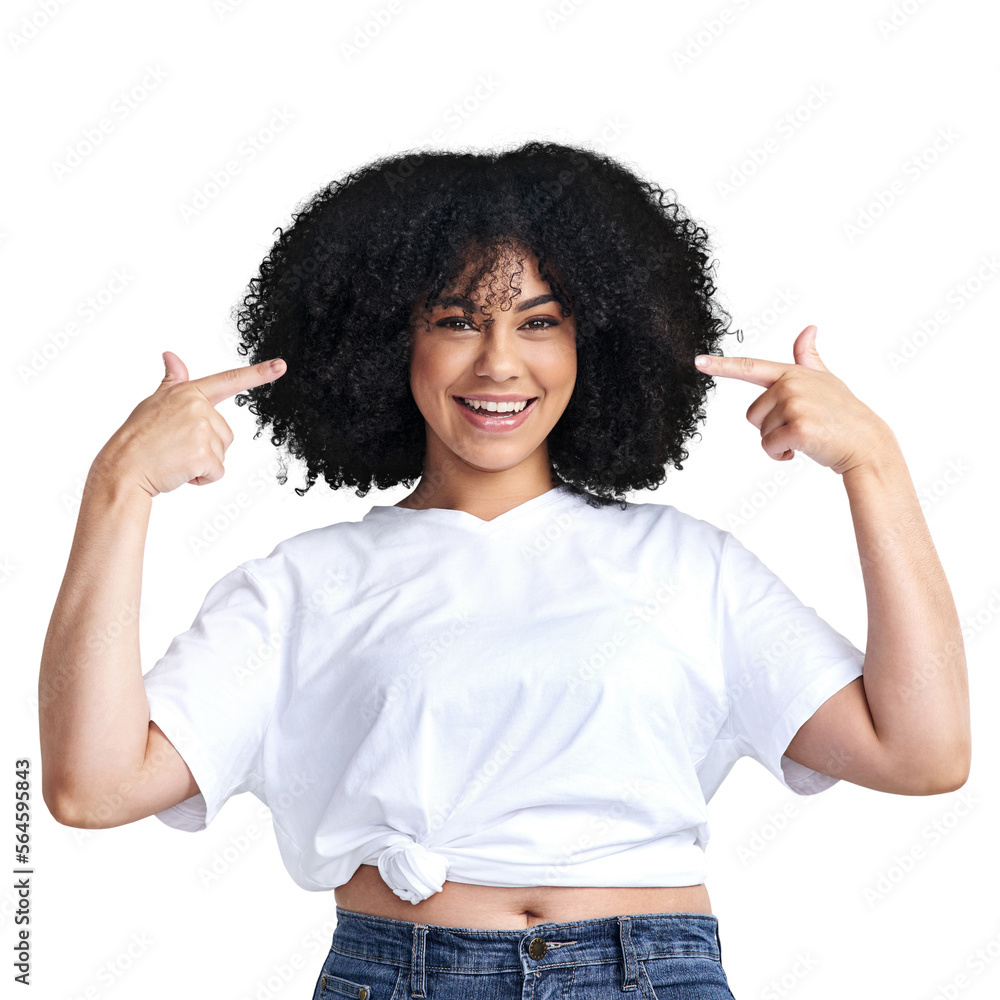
<point x="318" y="560"/>
<point x="652" y="539"/>
<point x="667" y="522"/>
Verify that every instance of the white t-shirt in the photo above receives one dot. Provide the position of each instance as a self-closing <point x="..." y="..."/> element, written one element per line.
<point x="547" y="698"/>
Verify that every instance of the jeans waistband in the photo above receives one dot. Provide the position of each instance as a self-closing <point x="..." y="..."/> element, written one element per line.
<point x="601" y="939"/>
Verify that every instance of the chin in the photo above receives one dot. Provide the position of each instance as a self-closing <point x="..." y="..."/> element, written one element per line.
<point x="491" y="457"/>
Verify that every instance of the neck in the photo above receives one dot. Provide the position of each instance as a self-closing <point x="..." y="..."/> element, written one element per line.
<point x="453" y="484"/>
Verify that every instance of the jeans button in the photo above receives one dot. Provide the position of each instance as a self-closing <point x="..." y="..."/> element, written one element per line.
<point x="537" y="948"/>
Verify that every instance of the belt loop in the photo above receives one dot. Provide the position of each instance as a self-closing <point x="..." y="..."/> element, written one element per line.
<point x="418" y="953"/>
<point x="631" y="981"/>
<point x="718" y="940"/>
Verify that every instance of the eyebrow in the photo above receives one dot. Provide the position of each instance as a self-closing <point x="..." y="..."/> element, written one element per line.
<point x="468" y="306"/>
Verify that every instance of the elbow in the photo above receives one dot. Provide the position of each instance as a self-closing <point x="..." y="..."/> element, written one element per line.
<point x="66" y="809"/>
<point x="956" y="780"/>
<point x="942" y="786"/>
<point x="56" y="793"/>
<point x="950" y="780"/>
<point x="60" y="807"/>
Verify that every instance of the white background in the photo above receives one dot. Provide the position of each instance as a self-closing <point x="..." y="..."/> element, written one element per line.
<point x="124" y="912"/>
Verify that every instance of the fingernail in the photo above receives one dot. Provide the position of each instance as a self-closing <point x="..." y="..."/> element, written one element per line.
<point x="702" y="361"/>
<point x="277" y="365"/>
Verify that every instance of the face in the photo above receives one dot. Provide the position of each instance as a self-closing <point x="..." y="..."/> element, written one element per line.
<point x="526" y="352"/>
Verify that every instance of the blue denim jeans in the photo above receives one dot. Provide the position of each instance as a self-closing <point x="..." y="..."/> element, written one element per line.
<point x="652" y="956"/>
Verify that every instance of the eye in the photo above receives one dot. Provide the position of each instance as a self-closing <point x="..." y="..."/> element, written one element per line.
<point x="449" y="320"/>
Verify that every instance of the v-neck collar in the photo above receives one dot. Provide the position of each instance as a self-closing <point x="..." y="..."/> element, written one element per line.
<point x="463" y="519"/>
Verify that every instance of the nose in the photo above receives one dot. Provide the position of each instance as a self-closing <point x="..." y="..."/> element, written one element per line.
<point x="498" y="356"/>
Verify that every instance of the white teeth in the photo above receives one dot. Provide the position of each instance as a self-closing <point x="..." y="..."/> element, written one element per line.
<point x="512" y="407"/>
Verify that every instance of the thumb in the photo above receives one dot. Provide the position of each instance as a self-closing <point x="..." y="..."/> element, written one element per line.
<point x="175" y="370"/>
<point x="804" y="350"/>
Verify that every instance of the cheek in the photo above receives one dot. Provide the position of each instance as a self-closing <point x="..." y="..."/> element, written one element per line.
<point x="559" y="364"/>
<point x="421" y="363"/>
<point x="431" y="371"/>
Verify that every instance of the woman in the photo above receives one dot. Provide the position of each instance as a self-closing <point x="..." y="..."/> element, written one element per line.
<point x="490" y="716"/>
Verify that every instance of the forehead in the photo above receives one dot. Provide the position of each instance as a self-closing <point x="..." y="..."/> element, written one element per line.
<point x="509" y="265"/>
<point x="519" y="303"/>
<point x="513" y="283"/>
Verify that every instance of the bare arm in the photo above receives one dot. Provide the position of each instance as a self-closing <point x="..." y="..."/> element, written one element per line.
<point x="902" y="727"/>
<point x="103" y="762"/>
<point x="93" y="712"/>
<point x="905" y="726"/>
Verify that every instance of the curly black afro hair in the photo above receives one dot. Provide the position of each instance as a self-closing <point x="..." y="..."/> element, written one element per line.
<point x="336" y="297"/>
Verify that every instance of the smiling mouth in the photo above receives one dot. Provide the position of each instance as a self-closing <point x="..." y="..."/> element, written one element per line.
<point x="483" y="408"/>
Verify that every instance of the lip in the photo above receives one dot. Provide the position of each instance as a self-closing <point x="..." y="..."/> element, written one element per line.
<point x="494" y="399"/>
<point x="492" y="424"/>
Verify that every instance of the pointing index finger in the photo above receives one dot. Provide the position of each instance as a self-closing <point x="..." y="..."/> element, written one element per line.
<point x="756" y="370"/>
<point x="224" y="384"/>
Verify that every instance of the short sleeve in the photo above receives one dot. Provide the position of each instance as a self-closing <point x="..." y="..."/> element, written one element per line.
<point x="213" y="690"/>
<point x="781" y="662"/>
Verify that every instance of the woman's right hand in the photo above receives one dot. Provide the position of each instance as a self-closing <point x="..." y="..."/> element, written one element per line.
<point x="176" y="436"/>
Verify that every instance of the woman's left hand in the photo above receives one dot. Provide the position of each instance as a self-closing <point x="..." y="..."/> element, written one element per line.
<point x="807" y="408"/>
